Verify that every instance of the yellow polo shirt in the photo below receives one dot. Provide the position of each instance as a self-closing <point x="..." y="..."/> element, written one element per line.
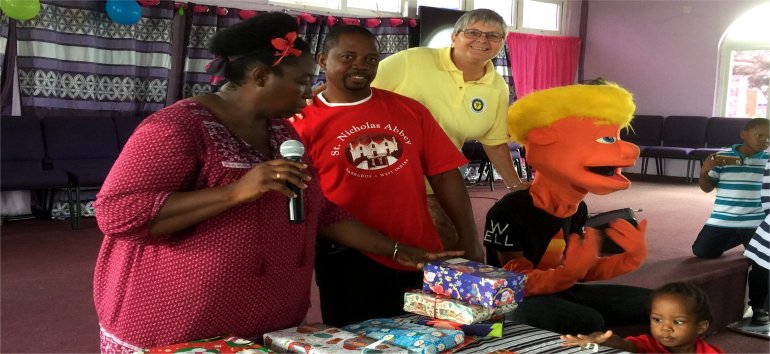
<point x="473" y="110"/>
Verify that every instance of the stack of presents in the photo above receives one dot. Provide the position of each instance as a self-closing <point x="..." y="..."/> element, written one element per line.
<point x="460" y="301"/>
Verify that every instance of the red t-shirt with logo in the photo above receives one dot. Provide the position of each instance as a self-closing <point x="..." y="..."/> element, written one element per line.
<point x="372" y="156"/>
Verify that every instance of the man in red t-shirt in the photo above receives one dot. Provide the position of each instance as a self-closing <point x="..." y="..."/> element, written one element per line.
<point x="372" y="149"/>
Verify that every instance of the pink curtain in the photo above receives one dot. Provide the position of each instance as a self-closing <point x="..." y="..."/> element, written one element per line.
<point x="541" y="62"/>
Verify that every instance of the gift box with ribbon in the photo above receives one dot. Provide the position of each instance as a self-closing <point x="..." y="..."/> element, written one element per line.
<point x="414" y="337"/>
<point x="446" y="308"/>
<point x="473" y="282"/>
<point x="491" y="328"/>
<point x="319" y="338"/>
<point x="220" y="344"/>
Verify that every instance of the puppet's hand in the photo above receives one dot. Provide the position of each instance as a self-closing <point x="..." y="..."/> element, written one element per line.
<point x="579" y="257"/>
<point x="629" y="238"/>
<point x="581" y="254"/>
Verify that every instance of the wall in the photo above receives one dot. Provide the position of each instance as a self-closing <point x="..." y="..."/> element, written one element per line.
<point x="665" y="52"/>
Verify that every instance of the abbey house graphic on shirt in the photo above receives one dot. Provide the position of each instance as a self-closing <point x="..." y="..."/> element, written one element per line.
<point x="373" y="152"/>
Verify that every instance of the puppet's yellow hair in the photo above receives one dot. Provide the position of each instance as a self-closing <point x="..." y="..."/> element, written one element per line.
<point x="607" y="104"/>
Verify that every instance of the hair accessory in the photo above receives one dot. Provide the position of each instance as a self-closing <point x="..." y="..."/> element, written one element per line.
<point x="285" y="46"/>
<point x="216" y="67"/>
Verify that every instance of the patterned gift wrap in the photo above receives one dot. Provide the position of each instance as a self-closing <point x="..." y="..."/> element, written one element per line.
<point x="319" y="338"/>
<point x="215" y="345"/>
<point x="473" y="282"/>
<point x="446" y="308"/>
<point x="492" y="328"/>
<point x="416" y="338"/>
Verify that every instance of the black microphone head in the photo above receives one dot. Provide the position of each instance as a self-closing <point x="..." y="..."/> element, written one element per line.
<point x="292" y="149"/>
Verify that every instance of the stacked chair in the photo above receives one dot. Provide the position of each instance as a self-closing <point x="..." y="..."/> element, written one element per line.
<point x="25" y="165"/>
<point x="474" y="152"/>
<point x="645" y="132"/>
<point x="83" y="147"/>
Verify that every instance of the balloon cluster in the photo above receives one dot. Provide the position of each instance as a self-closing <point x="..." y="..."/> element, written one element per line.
<point x="124" y="12"/>
<point x="20" y="9"/>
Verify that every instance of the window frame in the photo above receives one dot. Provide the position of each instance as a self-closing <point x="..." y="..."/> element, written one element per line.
<point x="409" y="9"/>
<point x="562" y="17"/>
<point x="725" y="65"/>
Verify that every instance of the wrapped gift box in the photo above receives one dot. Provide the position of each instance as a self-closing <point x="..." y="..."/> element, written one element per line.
<point x="221" y="344"/>
<point x="491" y="328"/>
<point x="473" y="282"/>
<point x="446" y="308"/>
<point x="322" y="339"/>
<point x="414" y="337"/>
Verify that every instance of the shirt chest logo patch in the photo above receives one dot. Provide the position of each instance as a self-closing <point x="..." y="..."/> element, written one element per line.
<point x="478" y="105"/>
<point x="373" y="152"/>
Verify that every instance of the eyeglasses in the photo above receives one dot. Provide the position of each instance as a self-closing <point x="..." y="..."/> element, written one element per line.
<point x="476" y="34"/>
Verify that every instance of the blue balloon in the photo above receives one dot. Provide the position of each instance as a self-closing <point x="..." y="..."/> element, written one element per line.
<point x="125" y="12"/>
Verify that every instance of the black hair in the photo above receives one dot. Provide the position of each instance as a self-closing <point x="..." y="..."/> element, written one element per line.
<point x="693" y="296"/>
<point x="756" y="122"/>
<point x="333" y="37"/>
<point x="248" y="43"/>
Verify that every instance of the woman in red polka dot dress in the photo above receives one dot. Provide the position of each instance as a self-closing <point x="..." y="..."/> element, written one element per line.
<point x="197" y="239"/>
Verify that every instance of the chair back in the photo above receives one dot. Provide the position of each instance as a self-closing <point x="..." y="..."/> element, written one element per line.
<point x="645" y="130"/>
<point x="685" y="131"/>
<point x="80" y="142"/>
<point x="723" y="132"/>
<point x="125" y="126"/>
<point x="474" y="151"/>
<point x="21" y="143"/>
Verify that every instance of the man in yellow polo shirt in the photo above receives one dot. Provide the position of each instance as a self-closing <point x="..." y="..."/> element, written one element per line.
<point x="461" y="88"/>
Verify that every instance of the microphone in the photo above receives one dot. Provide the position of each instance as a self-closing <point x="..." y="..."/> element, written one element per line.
<point x="293" y="150"/>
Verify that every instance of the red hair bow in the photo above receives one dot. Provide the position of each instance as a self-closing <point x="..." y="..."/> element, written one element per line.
<point x="285" y="46"/>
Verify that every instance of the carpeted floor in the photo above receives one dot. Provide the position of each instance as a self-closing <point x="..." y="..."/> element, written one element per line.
<point x="46" y="304"/>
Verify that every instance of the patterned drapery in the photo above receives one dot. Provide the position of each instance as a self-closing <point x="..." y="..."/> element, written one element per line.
<point x="202" y="27"/>
<point x="73" y="59"/>
<point x="503" y="66"/>
<point x="312" y="28"/>
<point x="3" y="42"/>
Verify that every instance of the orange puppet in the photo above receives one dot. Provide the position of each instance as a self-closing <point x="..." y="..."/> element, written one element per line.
<point x="571" y="135"/>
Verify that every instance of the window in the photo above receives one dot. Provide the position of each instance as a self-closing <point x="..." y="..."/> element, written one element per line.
<point x="744" y="69"/>
<point x="331" y="4"/>
<point x="378" y="5"/>
<point x="444" y="4"/>
<point x="537" y="16"/>
<point x="533" y="16"/>
<point x="351" y="7"/>
<point x="541" y="15"/>
<point x="504" y="8"/>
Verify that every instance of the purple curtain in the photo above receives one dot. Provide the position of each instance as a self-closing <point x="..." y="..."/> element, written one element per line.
<point x="3" y="41"/>
<point x="201" y="28"/>
<point x="393" y="36"/>
<point x="72" y="59"/>
<point x="503" y="66"/>
<point x="7" y="51"/>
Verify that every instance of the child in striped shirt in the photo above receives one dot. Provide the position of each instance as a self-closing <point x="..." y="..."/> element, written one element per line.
<point x="736" y="174"/>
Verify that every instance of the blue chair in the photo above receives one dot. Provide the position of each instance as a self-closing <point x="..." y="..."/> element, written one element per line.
<point x="681" y="136"/>
<point x="83" y="147"/>
<point x="124" y="126"/>
<point x="23" y="158"/>
<point x="645" y="131"/>
<point x="721" y="134"/>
